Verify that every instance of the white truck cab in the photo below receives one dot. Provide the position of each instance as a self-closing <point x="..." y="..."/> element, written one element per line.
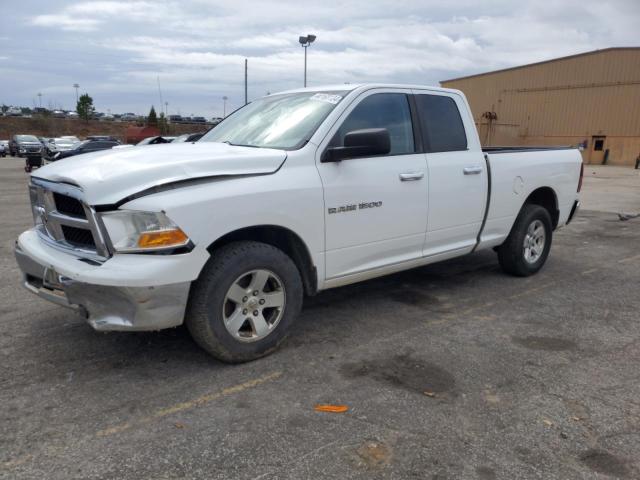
<point x="292" y="194"/>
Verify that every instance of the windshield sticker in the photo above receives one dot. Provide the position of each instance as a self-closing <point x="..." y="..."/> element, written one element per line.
<point x="325" y="97"/>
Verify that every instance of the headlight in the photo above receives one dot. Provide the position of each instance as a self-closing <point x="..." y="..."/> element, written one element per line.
<point x="36" y="207"/>
<point x="135" y="231"/>
<point x="22" y="150"/>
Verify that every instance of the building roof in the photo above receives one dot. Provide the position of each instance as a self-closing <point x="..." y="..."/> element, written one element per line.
<point x="593" y="52"/>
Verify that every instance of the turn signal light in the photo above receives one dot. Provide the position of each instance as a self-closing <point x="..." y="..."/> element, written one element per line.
<point x="162" y="239"/>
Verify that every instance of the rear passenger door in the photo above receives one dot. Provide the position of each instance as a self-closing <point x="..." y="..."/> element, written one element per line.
<point x="458" y="179"/>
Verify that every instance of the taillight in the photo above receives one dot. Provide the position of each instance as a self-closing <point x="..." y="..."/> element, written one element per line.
<point x="581" y="175"/>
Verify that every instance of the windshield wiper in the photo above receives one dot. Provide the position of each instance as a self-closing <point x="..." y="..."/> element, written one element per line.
<point x="240" y="144"/>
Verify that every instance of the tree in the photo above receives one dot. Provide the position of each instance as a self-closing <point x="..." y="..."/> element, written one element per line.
<point x="162" y="124"/>
<point x="85" y="107"/>
<point x="152" y="119"/>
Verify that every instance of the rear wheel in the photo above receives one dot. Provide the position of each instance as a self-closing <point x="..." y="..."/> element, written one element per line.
<point x="245" y="301"/>
<point x="526" y="249"/>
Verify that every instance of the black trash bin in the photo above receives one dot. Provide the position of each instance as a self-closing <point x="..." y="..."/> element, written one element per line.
<point x="32" y="162"/>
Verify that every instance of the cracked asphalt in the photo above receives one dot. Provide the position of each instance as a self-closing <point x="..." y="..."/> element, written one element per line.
<point x="452" y="371"/>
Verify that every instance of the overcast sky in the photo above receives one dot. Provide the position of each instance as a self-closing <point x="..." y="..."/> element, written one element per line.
<point x="116" y="50"/>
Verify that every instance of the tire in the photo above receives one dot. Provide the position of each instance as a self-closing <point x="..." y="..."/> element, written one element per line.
<point x="514" y="256"/>
<point x="222" y="320"/>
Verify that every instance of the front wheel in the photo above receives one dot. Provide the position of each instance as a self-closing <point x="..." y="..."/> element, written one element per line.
<point x="526" y="249"/>
<point x="244" y="302"/>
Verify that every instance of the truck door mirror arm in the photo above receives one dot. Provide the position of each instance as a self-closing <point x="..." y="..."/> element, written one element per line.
<point x="360" y="143"/>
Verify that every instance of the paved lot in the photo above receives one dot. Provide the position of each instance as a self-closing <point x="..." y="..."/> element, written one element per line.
<point x="526" y="378"/>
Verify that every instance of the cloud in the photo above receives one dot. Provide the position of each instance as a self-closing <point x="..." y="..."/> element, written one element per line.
<point x="66" y="22"/>
<point x="197" y="47"/>
<point x="112" y="8"/>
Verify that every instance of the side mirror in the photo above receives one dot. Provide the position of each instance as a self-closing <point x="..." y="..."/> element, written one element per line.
<point x="360" y="143"/>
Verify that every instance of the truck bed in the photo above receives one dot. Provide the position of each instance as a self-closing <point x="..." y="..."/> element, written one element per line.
<point x="525" y="149"/>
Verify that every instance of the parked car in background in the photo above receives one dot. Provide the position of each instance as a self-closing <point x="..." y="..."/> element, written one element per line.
<point x="189" y="137"/>
<point x="25" y="146"/>
<point x="86" y="147"/>
<point x="107" y="118"/>
<point x="215" y="121"/>
<point x="14" y="112"/>
<point x="102" y="137"/>
<point x="3" y="150"/>
<point x="29" y="147"/>
<point x="199" y="120"/>
<point x="5" y="147"/>
<point x="186" y="120"/>
<point x="155" y="140"/>
<point x="72" y="115"/>
<point x="58" y="114"/>
<point x="129" y="117"/>
<point x="55" y="145"/>
<point x="175" y="119"/>
<point x="73" y="138"/>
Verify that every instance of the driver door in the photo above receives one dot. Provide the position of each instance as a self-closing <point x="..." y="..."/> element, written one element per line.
<point x="375" y="207"/>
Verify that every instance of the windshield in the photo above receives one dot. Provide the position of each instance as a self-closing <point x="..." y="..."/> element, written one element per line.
<point x="27" y="138"/>
<point x="280" y="121"/>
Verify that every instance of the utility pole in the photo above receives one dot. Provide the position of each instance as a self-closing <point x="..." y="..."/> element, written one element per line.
<point x="305" y="42"/>
<point x="160" y="92"/>
<point x="76" y="86"/>
<point x="245" y="81"/>
<point x="224" y="106"/>
<point x="166" y="109"/>
<point x="39" y="99"/>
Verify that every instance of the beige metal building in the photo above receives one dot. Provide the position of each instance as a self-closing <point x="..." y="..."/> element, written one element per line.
<point x="591" y="99"/>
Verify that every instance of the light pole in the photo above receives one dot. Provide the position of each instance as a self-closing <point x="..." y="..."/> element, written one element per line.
<point x="76" y="86"/>
<point x="166" y="109"/>
<point x="224" y="106"/>
<point x="305" y="42"/>
<point x="39" y="99"/>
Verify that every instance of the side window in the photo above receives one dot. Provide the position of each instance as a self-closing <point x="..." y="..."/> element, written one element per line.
<point x="442" y="127"/>
<point x="381" y="110"/>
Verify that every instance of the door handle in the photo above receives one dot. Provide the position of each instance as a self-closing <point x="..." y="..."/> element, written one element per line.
<point x="411" y="176"/>
<point x="472" y="170"/>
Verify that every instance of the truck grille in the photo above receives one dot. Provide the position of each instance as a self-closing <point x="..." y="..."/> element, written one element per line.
<point x="78" y="237"/>
<point x="64" y="220"/>
<point x="69" y="206"/>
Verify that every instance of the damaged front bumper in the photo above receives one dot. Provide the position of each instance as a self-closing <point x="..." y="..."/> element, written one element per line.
<point x="107" y="307"/>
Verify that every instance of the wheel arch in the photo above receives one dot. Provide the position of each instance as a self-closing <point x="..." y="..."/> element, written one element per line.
<point x="282" y="238"/>
<point x="545" y="197"/>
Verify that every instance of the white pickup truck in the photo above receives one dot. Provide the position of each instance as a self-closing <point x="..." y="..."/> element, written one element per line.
<point x="294" y="193"/>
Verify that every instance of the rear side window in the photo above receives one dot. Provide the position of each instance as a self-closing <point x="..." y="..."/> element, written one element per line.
<point x="442" y="127"/>
<point x="382" y="110"/>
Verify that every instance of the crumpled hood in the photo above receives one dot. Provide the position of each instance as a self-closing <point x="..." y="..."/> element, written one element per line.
<point x="109" y="176"/>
